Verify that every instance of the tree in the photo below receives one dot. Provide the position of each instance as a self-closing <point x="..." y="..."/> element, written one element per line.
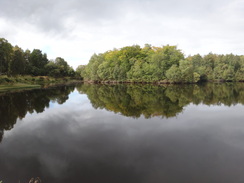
<point x="71" y="72"/>
<point x="209" y="63"/>
<point x="17" y="64"/>
<point x="59" y="68"/>
<point x="62" y="65"/>
<point x="5" y="55"/>
<point x="187" y="72"/>
<point x="163" y="58"/>
<point x="174" y="74"/>
<point x="37" y="62"/>
<point x="127" y="57"/>
<point x="27" y="62"/>
<point x="52" y="69"/>
<point x="132" y="63"/>
<point x="92" y="67"/>
<point x="136" y="71"/>
<point x="80" y="71"/>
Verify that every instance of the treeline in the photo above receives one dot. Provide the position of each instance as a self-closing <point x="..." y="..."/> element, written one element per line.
<point x="160" y="100"/>
<point x="16" y="61"/>
<point x="161" y="64"/>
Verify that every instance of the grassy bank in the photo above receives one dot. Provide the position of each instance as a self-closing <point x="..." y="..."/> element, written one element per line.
<point x="16" y="86"/>
<point x="31" y="82"/>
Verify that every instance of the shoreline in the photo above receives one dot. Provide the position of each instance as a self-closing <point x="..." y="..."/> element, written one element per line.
<point x="30" y="82"/>
<point x="158" y="82"/>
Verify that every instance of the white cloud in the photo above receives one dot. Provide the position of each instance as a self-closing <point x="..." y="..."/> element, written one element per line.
<point x="76" y="29"/>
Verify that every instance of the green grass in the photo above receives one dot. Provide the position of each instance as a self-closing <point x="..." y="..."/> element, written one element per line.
<point x="8" y="83"/>
<point x="17" y="86"/>
<point x="33" y="79"/>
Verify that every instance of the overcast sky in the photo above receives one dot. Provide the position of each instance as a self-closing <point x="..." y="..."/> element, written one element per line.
<point x="76" y="29"/>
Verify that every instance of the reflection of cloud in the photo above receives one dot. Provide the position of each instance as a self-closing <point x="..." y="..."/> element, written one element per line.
<point x="211" y="108"/>
<point x="1" y="135"/>
<point x="75" y="143"/>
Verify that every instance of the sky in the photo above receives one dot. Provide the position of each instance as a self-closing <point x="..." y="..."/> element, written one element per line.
<point x="76" y="29"/>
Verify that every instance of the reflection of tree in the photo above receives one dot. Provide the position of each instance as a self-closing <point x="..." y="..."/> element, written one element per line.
<point x="1" y="135"/>
<point x="164" y="101"/>
<point x="16" y="105"/>
<point x="132" y="100"/>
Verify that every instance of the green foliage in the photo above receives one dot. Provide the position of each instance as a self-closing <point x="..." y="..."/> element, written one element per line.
<point x="37" y="62"/>
<point x="33" y="80"/>
<point x="162" y="64"/>
<point x="17" y="64"/>
<point x="14" y="61"/>
<point x="5" y="55"/>
<point x="188" y="75"/>
<point x="59" y="68"/>
<point x="128" y="64"/>
<point x="174" y="74"/>
<point x="133" y="63"/>
<point x="91" y="72"/>
<point x="6" y="79"/>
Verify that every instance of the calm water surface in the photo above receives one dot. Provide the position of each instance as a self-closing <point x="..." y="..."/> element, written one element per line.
<point x="123" y="134"/>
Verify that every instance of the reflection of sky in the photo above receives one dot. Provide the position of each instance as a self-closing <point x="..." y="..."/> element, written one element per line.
<point x="74" y="98"/>
<point x="75" y="143"/>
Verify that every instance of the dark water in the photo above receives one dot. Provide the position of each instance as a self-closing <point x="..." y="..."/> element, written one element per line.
<point x="124" y="134"/>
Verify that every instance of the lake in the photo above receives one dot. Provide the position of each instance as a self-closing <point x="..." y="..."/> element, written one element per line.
<point x="123" y="134"/>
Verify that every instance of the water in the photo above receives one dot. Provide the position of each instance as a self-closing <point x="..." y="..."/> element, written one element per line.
<point x="123" y="133"/>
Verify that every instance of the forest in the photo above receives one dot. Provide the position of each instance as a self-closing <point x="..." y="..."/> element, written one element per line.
<point x="165" y="64"/>
<point x="15" y="61"/>
<point x="150" y="64"/>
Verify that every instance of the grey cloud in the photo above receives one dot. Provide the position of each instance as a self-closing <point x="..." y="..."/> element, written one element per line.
<point x="196" y="26"/>
<point x="51" y="15"/>
<point x="36" y="13"/>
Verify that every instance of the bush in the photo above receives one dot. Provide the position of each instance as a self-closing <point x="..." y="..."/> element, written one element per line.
<point x="5" y="79"/>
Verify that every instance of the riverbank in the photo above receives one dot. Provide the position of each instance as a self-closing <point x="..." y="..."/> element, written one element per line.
<point x="156" y="82"/>
<point x="16" y="86"/>
<point x="32" y="82"/>
<point x="131" y="82"/>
